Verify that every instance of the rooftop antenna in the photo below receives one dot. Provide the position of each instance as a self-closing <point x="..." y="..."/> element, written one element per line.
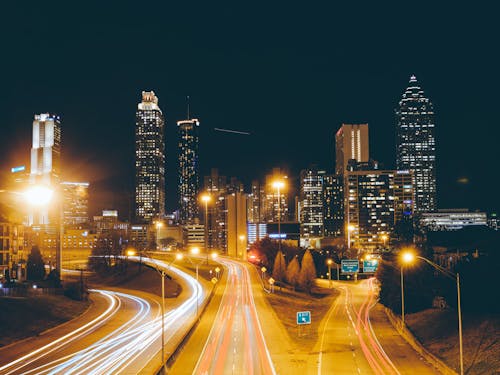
<point x="187" y="107"/>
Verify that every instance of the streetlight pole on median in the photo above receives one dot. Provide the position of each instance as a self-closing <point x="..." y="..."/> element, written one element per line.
<point x="205" y="199"/>
<point x="278" y="185"/>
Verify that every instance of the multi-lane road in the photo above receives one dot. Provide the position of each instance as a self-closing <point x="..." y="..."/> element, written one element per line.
<point x="123" y="337"/>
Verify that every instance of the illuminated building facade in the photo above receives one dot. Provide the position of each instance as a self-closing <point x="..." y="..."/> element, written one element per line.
<point x="188" y="170"/>
<point x="452" y="219"/>
<point x="311" y="213"/>
<point x="415" y="144"/>
<point x="333" y="205"/>
<point x="351" y="143"/>
<point x="149" y="159"/>
<point x="375" y="201"/>
<point x="216" y="186"/>
<point x="270" y="199"/>
<point x="76" y="202"/>
<point x="45" y="161"/>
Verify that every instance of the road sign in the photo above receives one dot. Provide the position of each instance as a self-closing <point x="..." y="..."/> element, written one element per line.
<point x="370" y="265"/>
<point x="350" y="265"/>
<point x="303" y="317"/>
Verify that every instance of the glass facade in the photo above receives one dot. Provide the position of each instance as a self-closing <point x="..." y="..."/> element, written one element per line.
<point x="311" y="203"/>
<point x="333" y="205"/>
<point x="415" y="144"/>
<point x="189" y="183"/>
<point x="149" y="159"/>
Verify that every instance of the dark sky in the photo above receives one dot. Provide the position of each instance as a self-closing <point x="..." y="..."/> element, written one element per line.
<point x="288" y="73"/>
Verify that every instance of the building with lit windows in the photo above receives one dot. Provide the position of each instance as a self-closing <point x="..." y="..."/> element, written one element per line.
<point x="149" y="159"/>
<point x="452" y="219"/>
<point x="76" y="202"/>
<point x="311" y="213"/>
<point x="271" y="204"/>
<point x="375" y="201"/>
<point x="216" y="186"/>
<point x="415" y="144"/>
<point x="45" y="162"/>
<point x="351" y="143"/>
<point x="188" y="170"/>
<point x="333" y="205"/>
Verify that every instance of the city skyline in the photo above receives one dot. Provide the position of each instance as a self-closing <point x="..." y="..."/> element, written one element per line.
<point x="270" y="84"/>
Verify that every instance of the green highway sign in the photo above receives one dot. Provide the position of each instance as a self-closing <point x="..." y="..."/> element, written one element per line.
<point x="303" y="317"/>
<point x="350" y="265"/>
<point x="370" y="265"/>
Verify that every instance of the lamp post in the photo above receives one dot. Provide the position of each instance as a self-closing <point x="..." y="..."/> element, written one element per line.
<point x="384" y="238"/>
<point x="39" y="195"/>
<point x="278" y="185"/>
<point x="409" y="257"/>
<point x="195" y="251"/>
<point x="205" y="198"/>
<point x="163" y="273"/>
<point x="329" y="262"/>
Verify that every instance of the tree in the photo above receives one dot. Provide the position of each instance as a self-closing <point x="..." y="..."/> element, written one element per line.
<point x="293" y="272"/>
<point x="307" y="274"/>
<point x="106" y="256"/>
<point x="35" y="268"/>
<point x="279" y="268"/>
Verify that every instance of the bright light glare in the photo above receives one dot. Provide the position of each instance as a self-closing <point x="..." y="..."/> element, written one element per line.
<point x="130" y="253"/>
<point x="408" y="257"/>
<point x="214" y="255"/>
<point x="195" y="250"/>
<point x="206" y="198"/>
<point x="179" y="256"/>
<point x="278" y="184"/>
<point x="350" y="228"/>
<point x="38" y="195"/>
<point x="329" y="261"/>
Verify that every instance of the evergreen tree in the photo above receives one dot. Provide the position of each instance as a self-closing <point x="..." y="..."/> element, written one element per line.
<point x="279" y="269"/>
<point x="307" y="274"/>
<point x="293" y="272"/>
<point x="35" y="268"/>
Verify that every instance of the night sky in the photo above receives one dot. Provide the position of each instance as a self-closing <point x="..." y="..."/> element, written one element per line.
<point x="288" y="74"/>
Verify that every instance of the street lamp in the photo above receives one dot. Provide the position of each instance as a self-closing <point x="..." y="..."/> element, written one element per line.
<point x="242" y="238"/>
<point x="329" y="262"/>
<point x="384" y="237"/>
<point x="408" y="257"/>
<point x="163" y="273"/>
<point x="39" y="195"/>
<point x="279" y="185"/>
<point x="195" y="251"/>
<point x="205" y="198"/>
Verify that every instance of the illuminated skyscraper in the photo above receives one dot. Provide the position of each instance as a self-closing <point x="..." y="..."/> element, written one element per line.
<point x="76" y="202"/>
<point x="351" y="143"/>
<point x="45" y="159"/>
<point x="311" y="215"/>
<point x="149" y="159"/>
<point x="415" y="144"/>
<point x="188" y="170"/>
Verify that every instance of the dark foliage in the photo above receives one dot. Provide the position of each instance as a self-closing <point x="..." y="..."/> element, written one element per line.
<point x="35" y="268"/>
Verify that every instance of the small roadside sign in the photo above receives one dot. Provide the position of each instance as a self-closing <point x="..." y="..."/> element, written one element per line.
<point x="370" y="265"/>
<point x="350" y="265"/>
<point x="303" y="317"/>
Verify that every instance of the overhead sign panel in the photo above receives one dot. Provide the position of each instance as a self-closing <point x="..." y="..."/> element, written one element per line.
<point x="350" y="265"/>
<point x="370" y="266"/>
<point x="303" y="317"/>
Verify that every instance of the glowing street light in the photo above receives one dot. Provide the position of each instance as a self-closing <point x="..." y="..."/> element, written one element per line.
<point x="384" y="238"/>
<point x="329" y="262"/>
<point x="205" y="198"/>
<point x="408" y="257"/>
<point x="278" y="185"/>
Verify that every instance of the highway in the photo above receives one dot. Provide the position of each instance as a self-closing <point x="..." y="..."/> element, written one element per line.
<point x="353" y="341"/>
<point x="124" y="337"/>
<point x="235" y="344"/>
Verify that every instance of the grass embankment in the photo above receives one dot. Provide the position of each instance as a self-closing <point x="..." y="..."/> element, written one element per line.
<point x="437" y="330"/>
<point x="23" y="317"/>
<point x="286" y="303"/>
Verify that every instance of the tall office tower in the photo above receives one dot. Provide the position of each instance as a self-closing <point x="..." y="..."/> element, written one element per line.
<point x="216" y="186"/>
<point x="415" y="144"/>
<point x="237" y="236"/>
<point x="149" y="159"/>
<point x="375" y="201"/>
<point x="333" y="205"/>
<point x="311" y="204"/>
<point x="188" y="170"/>
<point x="75" y="203"/>
<point x="253" y="204"/>
<point x="271" y="200"/>
<point x="351" y="142"/>
<point x="45" y="160"/>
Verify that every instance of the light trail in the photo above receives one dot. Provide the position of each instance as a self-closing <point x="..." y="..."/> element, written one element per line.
<point x="124" y="345"/>
<point x="236" y="343"/>
<point x="231" y="131"/>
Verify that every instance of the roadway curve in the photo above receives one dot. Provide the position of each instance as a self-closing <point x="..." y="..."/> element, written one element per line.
<point x="123" y="338"/>
<point x="236" y="344"/>
<point x="349" y="343"/>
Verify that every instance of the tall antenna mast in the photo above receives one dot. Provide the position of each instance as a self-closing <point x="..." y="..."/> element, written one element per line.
<point x="187" y="107"/>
